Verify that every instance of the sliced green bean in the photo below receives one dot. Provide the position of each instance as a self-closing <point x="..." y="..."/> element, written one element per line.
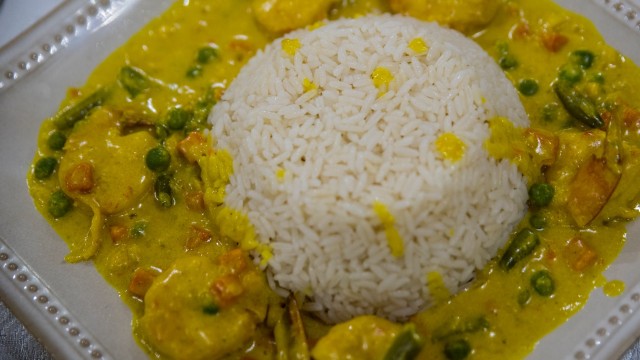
<point x="578" y="105"/>
<point x="133" y="80"/>
<point x="70" y="115"/>
<point x="163" y="191"/>
<point x="406" y="345"/>
<point x="523" y="244"/>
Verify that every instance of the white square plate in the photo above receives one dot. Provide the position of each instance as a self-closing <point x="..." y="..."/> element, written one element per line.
<point x="73" y="311"/>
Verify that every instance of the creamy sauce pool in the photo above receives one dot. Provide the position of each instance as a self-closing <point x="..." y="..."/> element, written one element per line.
<point x="499" y="315"/>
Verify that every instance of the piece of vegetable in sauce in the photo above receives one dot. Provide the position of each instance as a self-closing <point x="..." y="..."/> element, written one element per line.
<point x="194" y="71"/>
<point x="528" y="87"/>
<point x="538" y="220"/>
<point x="197" y="236"/>
<point x="44" y="167"/>
<point x="553" y="40"/>
<point x="59" y="204"/>
<point x="590" y="190"/>
<point x="289" y="333"/>
<point x="458" y="325"/>
<point x="543" y="283"/>
<point x="570" y="74"/>
<point x="578" y="105"/>
<point x="178" y="117"/>
<point x="541" y="194"/>
<point x="163" y="192"/>
<point x="584" y="58"/>
<point x="522" y="245"/>
<point x="56" y="140"/>
<point x="523" y="298"/>
<point x="141" y="281"/>
<point x="506" y="59"/>
<point x="207" y="54"/>
<point x="133" y="80"/>
<point x="138" y="229"/>
<point x="158" y="159"/>
<point x="457" y="349"/>
<point x="79" y="178"/>
<point x="579" y="254"/>
<point x="406" y="345"/>
<point x="73" y="113"/>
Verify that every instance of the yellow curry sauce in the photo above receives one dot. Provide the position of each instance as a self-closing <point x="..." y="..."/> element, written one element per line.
<point x="147" y="224"/>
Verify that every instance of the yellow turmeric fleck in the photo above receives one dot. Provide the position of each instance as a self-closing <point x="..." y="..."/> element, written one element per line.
<point x="381" y="77"/>
<point x="450" y="147"/>
<point x="290" y="46"/>
<point x="308" y="85"/>
<point x="280" y="174"/>
<point x="396" y="244"/>
<point x="418" y="46"/>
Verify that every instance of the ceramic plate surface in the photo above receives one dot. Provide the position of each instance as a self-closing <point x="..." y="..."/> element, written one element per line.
<point x="73" y="311"/>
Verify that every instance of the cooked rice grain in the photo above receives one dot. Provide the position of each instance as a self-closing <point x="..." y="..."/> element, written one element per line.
<point x="308" y="166"/>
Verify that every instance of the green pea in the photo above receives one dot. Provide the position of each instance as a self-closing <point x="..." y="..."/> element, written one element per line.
<point x="541" y="194"/>
<point x="194" y="72"/>
<point x="598" y="78"/>
<point x="133" y="80"/>
<point x="210" y="309"/>
<point x="138" y="229"/>
<point x="158" y="159"/>
<point x="543" y="283"/>
<point x="508" y="62"/>
<point x="528" y="87"/>
<point x="44" y="167"/>
<point x="56" y="140"/>
<point x="457" y="349"/>
<point x="177" y="118"/>
<point x="550" y="112"/>
<point x="570" y="73"/>
<point x="59" y="204"/>
<point x="538" y="221"/>
<point x="522" y="245"/>
<point x="207" y="54"/>
<point x="524" y="297"/>
<point x="584" y="58"/>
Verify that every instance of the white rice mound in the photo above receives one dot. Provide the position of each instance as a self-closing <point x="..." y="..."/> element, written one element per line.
<point x="308" y="166"/>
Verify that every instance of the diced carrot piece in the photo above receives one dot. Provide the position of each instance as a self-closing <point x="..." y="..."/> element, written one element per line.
<point x="197" y="237"/>
<point x="553" y="41"/>
<point x="195" y="200"/>
<point x="579" y="254"/>
<point x="80" y="178"/>
<point x="193" y="147"/>
<point x="235" y="260"/>
<point x="521" y="30"/>
<point x="226" y="289"/>
<point x="590" y="190"/>
<point x="141" y="281"/>
<point x="118" y="233"/>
